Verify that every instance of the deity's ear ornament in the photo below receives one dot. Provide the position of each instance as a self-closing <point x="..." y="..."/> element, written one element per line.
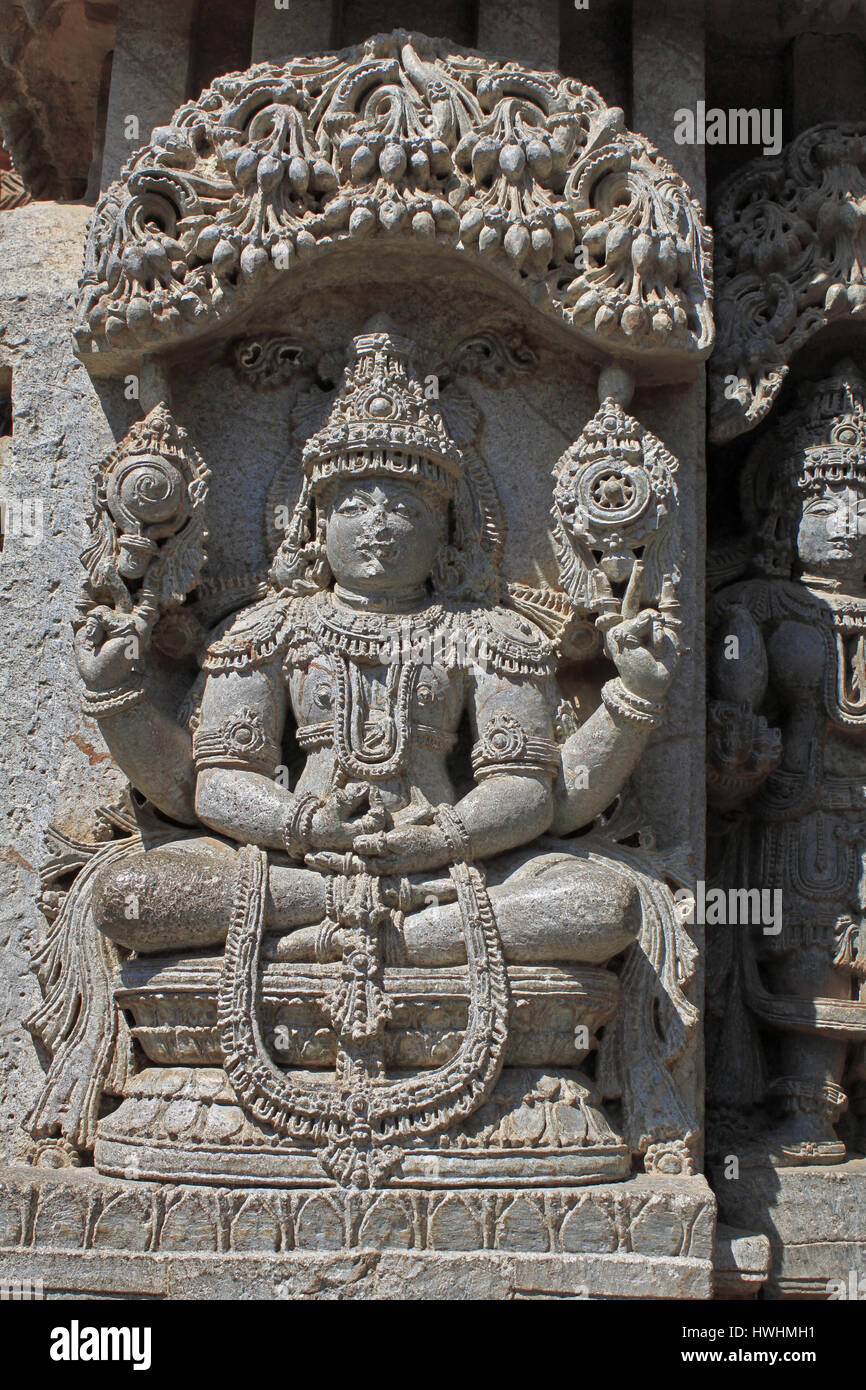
<point x="414" y="144"/>
<point x="147" y="544"/>
<point x="790" y="257"/>
<point x="615" y="506"/>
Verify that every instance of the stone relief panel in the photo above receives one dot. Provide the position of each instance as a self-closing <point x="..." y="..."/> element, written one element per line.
<point x="403" y="140"/>
<point x="787" y="1014"/>
<point x="380" y="894"/>
<point x="785" y="1005"/>
<point x="380" y="614"/>
<point x="789" y="263"/>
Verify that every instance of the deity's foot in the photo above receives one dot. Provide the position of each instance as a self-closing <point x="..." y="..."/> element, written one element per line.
<point x="801" y="1139"/>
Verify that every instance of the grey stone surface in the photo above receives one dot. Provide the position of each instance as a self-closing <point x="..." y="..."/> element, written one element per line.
<point x="814" y="1218"/>
<point x="668" y="67"/>
<point x="741" y="1263"/>
<point x="303" y="26"/>
<point x="150" y="66"/>
<point x="527" y="33"/>
<point x="79" y="1232"/>
<point x="54" y="765"/>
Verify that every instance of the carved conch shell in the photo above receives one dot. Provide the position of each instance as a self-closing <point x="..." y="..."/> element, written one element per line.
<point x="148" y="532"/>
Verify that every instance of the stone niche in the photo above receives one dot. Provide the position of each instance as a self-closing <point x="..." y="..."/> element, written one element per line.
<point x="786" y="1012"/>
<point x="370" y="974"/>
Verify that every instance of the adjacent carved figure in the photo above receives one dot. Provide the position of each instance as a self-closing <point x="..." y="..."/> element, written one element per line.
<point x="788" y="775"/>
<point x="375" y="759"/>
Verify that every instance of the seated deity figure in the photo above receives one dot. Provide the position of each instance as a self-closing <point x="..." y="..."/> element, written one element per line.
<point x="362" y="657"/>
<point x="373" y="786"/>
<point x="787" y="776"/>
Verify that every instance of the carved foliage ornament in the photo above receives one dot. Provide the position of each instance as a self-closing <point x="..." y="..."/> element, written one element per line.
<point x="790" y="257"/>
<point x="403" y="138"/>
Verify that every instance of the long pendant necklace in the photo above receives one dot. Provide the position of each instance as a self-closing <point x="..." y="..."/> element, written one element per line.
<point x="381" y="753"/>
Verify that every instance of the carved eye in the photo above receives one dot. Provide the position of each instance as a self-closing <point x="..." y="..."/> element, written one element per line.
<point x="424" y="695"/>
<point x="324" y="696"/>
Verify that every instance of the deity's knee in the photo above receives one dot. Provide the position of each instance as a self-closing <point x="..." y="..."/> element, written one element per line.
<point x="620" y="914"/>
<point x="164" y="900"/>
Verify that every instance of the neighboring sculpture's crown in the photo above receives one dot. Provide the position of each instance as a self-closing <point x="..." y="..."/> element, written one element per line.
<point x="381" y="421"/>
<point x="826" y="434"/>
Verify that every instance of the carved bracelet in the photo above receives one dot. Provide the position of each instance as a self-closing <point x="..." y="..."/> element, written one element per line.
<point x="296" y="831"/>
<point x="103" y="704"/>
<point x="457" y="837"/>
<point x="619" y="700"/>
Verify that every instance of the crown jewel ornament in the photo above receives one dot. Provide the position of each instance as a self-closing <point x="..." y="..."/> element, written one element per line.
<point x="825" y="437"/>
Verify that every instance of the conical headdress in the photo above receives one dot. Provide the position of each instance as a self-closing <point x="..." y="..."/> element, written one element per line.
<point x="825" y="436"/>
<point x="381" y="421"/>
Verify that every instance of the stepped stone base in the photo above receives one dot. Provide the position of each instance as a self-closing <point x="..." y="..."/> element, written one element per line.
<point x="814" y="1219"/>
<point x="87" y="1235"/>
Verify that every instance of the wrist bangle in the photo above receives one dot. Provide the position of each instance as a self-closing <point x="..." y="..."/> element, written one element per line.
<point x="296" y="831"/>
<point x="619" y="700"/>
<point x="457" y="837"/>
<point x="101" y="704"/>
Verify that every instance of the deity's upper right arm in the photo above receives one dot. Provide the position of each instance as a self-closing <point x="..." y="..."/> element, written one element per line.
<point x="244" y="698"/>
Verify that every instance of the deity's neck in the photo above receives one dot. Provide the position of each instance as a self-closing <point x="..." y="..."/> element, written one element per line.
<point x="408" y="602"/>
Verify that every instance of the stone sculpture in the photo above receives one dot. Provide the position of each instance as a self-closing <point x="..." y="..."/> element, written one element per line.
<point x="381" y="915"/>
<point x="381" y="629"/>
<point x="789" y="257"/>
<point x="786" y="719"/>
<point x="528" y="174"/>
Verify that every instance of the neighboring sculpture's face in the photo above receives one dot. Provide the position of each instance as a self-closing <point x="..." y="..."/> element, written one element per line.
<point x="831" y="538"/>
<point x="382" y="535"/>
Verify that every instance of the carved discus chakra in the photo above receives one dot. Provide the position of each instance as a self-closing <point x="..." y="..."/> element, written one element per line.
<point x="405" y="138"/>
<point x="614" y="503"/>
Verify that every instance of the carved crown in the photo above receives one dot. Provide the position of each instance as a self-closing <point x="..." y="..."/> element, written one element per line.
<point x="825" y="437"/>
<point x="381" y="421"/>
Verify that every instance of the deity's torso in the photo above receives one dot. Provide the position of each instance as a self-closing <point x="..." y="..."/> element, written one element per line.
<point x="808" y="819"/>
<point x="815" y="644"/>
<point x="380" y="698"/>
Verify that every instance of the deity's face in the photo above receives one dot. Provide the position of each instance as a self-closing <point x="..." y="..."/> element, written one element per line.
<point x="831" y="538"/>
<point x="382" y="535"/>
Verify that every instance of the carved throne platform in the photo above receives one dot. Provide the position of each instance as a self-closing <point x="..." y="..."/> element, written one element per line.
<point x="543" y="1125"/>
